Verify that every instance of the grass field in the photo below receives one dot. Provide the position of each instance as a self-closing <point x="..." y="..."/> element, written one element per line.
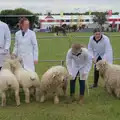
<point x="98" y="106"/>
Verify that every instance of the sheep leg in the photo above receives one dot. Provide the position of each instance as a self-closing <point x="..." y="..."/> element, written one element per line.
<point x="3" y="99"/>
<point x="27" y="95"/>
<point x="56" y="98"/>
<point x="37" y="93"/>
<point x="117" y="93"/>
<point x="32" y="93"/>
<point x="17" y="97"/>
<point x="64" y="88"/>
<point x="109" y="89"/>
<point x="42" y="99"/>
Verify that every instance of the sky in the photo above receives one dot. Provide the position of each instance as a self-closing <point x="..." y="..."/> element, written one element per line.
<point x="57" y="6"/>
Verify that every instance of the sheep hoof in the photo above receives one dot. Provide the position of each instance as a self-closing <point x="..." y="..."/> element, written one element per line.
<point x="3" y="105"/>
<point x="42" y="99"/>
<point x="37" y="99"/>
<point x="56" y="100"/>
<point x="27" y="102"/>
<point x="18" y="105"/>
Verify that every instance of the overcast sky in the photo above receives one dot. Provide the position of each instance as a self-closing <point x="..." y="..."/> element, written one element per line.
<point x="57" y="6"/>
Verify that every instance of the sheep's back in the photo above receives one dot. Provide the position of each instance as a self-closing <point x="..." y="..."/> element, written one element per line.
<point x="47" y="80"/>
<point x="113" y="75"/>
<point x="8" y="78"/>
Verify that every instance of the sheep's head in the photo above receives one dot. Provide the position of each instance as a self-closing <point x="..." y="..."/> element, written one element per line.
<point x="6" y="65"/>
<point x="101" y="64"/>
<point x="101" y="67"/>
<point x="13" y="56"/>
<point x="15" y="63"/>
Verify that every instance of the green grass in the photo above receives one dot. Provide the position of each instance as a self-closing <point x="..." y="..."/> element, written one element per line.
<point x="98" y="106"/>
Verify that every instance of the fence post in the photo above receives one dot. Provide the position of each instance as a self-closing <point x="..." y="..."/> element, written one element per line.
<point x="62" y="62"/>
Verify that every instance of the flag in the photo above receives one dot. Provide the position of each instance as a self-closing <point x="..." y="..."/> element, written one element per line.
<point x="61" y="14"/>
<point x="71" y="21"/>
<point x="90" y="12"/>
<point x="113" y="24"/>
<point x="110" y="12"/>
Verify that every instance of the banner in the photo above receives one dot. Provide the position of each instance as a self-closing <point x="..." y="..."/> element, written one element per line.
<point x="110" y="12"/>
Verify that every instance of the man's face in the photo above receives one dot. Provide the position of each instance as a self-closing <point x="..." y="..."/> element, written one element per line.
<point x="76" y="51"/>
<point x="97" y="35"/>
<point x="25" y="25"/>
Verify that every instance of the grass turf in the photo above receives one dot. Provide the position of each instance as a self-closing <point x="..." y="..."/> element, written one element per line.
<point x="99" y="105"/>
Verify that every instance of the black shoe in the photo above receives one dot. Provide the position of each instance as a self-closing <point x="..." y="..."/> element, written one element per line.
<point x="93" y="86"/>
<point x="70" y="99"/>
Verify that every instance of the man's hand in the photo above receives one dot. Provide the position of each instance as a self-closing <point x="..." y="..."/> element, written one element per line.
<point x="13" y="56"/>
<point x="35" y="62"/>
<point x="94" y="60"/>
<point x="84" y="76"/>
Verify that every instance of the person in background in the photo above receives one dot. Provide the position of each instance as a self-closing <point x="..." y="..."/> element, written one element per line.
<point x="78" y="61"/>
<point x="100" y="48"/>
<point x="5" y="42"/>
<point x="26" y="45"/>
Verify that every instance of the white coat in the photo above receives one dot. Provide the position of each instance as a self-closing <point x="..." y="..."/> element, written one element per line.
<point x="103" y="48"/>
<point x="5" y="41"/>
<point x="26" y="47"/>
<point x="81" y="64"/>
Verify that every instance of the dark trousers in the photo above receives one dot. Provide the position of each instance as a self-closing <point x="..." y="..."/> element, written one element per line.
<point x="96" y="73"/>
<point x="0" y="68"/>
<point x="72" y="86"/>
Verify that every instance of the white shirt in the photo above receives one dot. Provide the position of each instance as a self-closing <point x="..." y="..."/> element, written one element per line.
<point x="81" y="63"/>
<point x="103" y="48"/>
<point x="5" y="41"/>
<point x="27" y="48"/>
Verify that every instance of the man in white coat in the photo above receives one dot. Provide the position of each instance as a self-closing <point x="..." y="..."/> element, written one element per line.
<point x="78" y="63"/>
<point x="100" y="48"/>
<point x="5" y="41"/>
<point x="26" y="45"/>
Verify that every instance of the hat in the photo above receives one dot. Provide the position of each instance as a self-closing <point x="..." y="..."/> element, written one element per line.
<point x="76" y="47"/>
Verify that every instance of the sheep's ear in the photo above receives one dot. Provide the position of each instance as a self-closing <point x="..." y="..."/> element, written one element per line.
<point x="53" y="76"/>
<point x="13" y="56"/>
<point x="19" y="59"/>
<point x="105" y="62"/>
<point x="7" y="58"/>
<point x="63" y="78"/>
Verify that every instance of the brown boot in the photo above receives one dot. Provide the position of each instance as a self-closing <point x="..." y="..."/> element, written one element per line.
<point x="81" y="99"/>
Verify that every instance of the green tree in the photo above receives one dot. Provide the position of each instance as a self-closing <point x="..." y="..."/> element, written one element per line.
<point x="10" y="16"/>
<point x="7" y="12"/>
<point x="21" y="11"/>
<point x="100" y="18"/>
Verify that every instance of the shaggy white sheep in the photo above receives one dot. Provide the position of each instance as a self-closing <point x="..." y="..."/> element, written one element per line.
<point x="8" y="81"/>
<point x="26" y="79"/>
<point x="52" y="81"/>
<point x="111" y="74"/>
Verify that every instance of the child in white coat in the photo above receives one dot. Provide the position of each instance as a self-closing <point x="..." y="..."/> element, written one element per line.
<point x="79" y="64"/>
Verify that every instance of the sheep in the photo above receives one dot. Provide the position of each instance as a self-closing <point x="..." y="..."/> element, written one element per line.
<point x="8" y="81"/>
<point x="52" y="81"/>
<point x="111" y="75"/>
<point x="27" y="79"/>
